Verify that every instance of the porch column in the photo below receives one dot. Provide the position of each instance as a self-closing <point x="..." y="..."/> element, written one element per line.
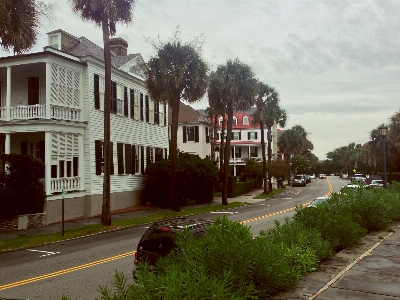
<point x="47" y="162"/>
<point x="7" y="148"/>
<point x="249" y="156"/>
<point x="8" y="94"/>
<point x="234" y="154"/>
<point x="48" y="90"/>
<point x="81" y="160"/>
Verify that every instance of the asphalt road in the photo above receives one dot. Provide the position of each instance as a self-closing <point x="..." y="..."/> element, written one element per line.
<point x="77" y="268"/>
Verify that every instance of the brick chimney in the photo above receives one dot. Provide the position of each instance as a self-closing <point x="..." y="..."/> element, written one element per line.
<point x="119" y="46"/>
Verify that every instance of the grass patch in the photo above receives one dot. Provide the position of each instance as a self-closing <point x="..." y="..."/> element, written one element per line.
<point x="217" y="194"/>
<point x="269" y="195"/>
<point x="30" y="241"/>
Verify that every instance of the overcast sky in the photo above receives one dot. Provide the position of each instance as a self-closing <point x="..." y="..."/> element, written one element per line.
<point x="335" y="64"/>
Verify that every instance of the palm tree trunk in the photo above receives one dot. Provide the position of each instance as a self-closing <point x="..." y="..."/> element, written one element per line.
<point x="222" y="146"/>
<point x="174" y="201"/>
<point x="106" y="208"/>
<point x="213" y="136"/>
<point x="269" y="155"/>
<point x="264" y="163"/>
<point x="227" y="153"/>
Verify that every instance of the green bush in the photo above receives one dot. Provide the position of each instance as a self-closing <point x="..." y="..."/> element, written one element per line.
<point x="196" y="178"/>
<point x="20" y="189"/>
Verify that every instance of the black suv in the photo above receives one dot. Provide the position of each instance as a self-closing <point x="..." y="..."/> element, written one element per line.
<point x="160" y="238"/>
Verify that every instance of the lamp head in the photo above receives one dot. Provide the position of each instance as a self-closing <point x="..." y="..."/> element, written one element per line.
<point x="383" y="130"/>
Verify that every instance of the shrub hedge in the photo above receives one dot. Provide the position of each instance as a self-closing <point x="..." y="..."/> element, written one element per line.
<point x="196" y="178"/>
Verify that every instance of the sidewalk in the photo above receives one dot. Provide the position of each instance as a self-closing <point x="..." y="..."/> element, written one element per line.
<point x="123" y="214"/>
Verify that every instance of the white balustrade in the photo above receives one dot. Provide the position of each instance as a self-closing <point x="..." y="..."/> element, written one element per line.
<point x="2" y="113"/>
<point x="65" y="113"/>
<point x="68" y="184"/>
<point x="25" y="112"/>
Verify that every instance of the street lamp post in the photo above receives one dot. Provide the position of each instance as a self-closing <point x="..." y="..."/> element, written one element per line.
<point x="382" y="132"/>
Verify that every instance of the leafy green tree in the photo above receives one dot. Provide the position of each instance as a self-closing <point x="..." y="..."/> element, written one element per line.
<point x="177" y="72"/>
<point x="393" y="142"/>
<point x="21" y="192"/>
<point x="268" y="113"/>
<point x="235" y="87"/>
<point x="19" y="22"/>
<point x="300" y="165"/>
<point x="106" y="13"/>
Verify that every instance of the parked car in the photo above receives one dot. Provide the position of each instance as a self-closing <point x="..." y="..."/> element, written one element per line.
<point x="345" y="176"/>
<point x="307" y="177"/>
<point x="160" y="238"/>
<point x="322" y="176"/>
<point x="312" y="176"/>
<point x="317" y="201"/>
<point x="376" y="184"/>
<point x="357" y="177"/>
<point x="299" y="180"/>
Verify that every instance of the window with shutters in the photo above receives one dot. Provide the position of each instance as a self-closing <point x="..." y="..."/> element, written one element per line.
<point x="99" y="157"/>
<point x="137" y="156"/>
<point x="238" y="153"/>
<point x="252" y="135"/>
<point x="253" y="152"/>
<point x="207" y="135"/>
<point x="236" y="135"/>
<point x="156" y="113"/>
<point x="190" y="134"/>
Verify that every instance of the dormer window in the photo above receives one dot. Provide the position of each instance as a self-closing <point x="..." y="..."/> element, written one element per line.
<point x="55" y="41"/>
<point x="221" y="119"/>
<point x="234" y="121"/>
<point x="245" y="120"/>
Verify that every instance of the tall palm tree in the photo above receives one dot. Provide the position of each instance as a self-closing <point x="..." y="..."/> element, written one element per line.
<point x="268" y="112"/>
<point x="19" y="22"/>
<point x="106" y="13"/>
<point x="236" y="88"/>
<point x="177" y="72"/>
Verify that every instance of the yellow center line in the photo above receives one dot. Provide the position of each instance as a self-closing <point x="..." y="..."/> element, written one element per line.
<point x="102" y="261"/>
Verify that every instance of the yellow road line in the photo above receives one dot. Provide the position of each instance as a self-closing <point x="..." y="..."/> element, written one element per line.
<point x="61" y="272"/>
<point x="102" y="261"/>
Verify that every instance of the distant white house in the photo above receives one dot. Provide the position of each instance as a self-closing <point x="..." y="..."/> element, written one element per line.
<point x="193" y="131"/>
<point x="52" y="108"/>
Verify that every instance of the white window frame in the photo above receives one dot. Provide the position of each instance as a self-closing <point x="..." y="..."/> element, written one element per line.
<point x="236" y="135"/>
<point x="234" y="121"/>
<point x="190" y="129"/>
<point x="221" y="119"/>
<point x="245" y="120"/>
<point x="252" y="135"/>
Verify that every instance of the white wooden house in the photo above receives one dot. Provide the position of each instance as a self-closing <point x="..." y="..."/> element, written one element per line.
<point x="193" y="131"/>
<point x="52" y="108"/>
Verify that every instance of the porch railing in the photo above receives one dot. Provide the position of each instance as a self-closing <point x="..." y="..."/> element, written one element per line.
<point x="37" y="111"/>
<point x="68" y="184"/>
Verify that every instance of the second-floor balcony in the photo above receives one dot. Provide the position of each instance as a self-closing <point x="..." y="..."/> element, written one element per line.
<point x="38" y="111"/>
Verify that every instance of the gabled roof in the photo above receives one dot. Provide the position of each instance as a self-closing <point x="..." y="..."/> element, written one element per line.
<point x="187" y="114"/>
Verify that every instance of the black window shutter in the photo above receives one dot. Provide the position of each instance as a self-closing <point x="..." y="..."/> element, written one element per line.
<point x="207" y="135"/>
<point x="147" y="107"/>
<point x="233" y="153"/>
<point x="156" y="113"/>
<point x="184" y="134"/>
<point x="125" y="101"/>
<point x="196" y="134"/>
<point x="165" y="115"/>
<point x="132" y="103"/>
<point x="165" y="153"/>
<point x="111" y="159"/>
<point x="98" y="155"/>
<point x="24" y="148"/>
<point x="240" y="135"/>
<point x="134" y="159"/>
<point x="141" y="107"/>
<point x="232" y="135"/>
<point x="256" y="134"/>
<point x="240" y="152"/>
<point x="113" y="97"/>
<point x="75" y="165"/>
<point x="128" y="159"/>
<point x="255" y="151"/>
<point x="218" y="136"/>
<point x="141" y="159"/>
<point x="96" y="91"/>
<point x="120" y="158"/>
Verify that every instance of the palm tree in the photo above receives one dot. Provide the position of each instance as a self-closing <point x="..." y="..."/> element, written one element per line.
<point x="235" y="87"/>
<point x="177" y="72"/>
<point x="268" y="112"/>
<point x="106" y="13"/>
<point x="19" y="22"/>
